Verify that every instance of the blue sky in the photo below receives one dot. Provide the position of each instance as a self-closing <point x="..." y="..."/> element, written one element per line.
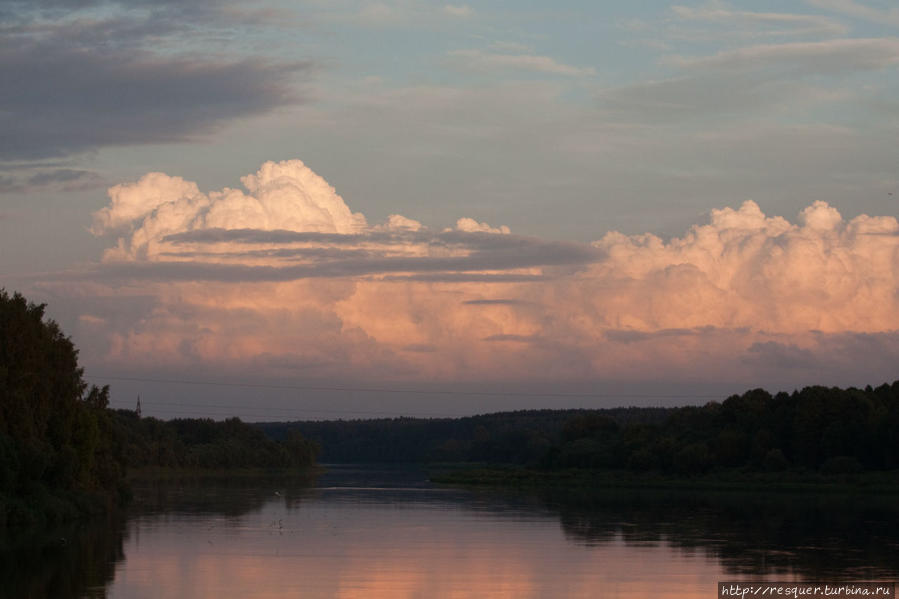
<point x="566" y="121"/>
<point x="563" y="122"/>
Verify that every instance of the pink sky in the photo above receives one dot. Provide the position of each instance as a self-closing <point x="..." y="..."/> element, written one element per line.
<point x="283" y="281"/>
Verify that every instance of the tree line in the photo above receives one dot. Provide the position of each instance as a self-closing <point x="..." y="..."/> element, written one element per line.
<point x="64" y="452"/>
<point x="522" y="436"/>
<point x="824" y="429"/>
<point x="203" y="443"/>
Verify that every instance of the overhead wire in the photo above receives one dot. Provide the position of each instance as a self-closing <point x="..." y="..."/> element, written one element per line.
<point x="278" y="413"/>
<point x="408" y="391"/>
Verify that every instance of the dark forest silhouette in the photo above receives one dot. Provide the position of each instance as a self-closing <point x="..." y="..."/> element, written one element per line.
<point x="822" y="429"/>
<point x="64" y="453"/>
<point x="58" y="451"/>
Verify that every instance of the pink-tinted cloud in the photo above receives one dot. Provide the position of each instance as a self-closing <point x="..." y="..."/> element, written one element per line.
<point x="283" y="278"/>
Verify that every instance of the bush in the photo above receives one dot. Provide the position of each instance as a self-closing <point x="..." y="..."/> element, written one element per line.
<point x="841" y="465"/>
<point x="775" y="461"/>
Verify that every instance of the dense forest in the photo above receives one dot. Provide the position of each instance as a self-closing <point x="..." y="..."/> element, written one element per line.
<point x="58" y="451"/>
<point x="824" y="429"/>
<point x="828" y="430"/>
<point x="195" y="443"/>
<point x="521" y="437"/>
<point x="65" y="453"/>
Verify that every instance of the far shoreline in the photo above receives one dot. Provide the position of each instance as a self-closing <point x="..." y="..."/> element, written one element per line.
<point x="513" y="477"/>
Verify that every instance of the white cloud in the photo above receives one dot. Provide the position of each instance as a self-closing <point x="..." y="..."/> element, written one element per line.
<point x="283" y="195"/>
<point x="511" y="47"/>
<point x="762" y="23"/>
<point x="470" y="225"/>
<point x="458" y="10"/>
<point x="488" y="61"/>
<point x="887" y="16"/>
<point x="730" y="299"/>
<point x="132" y="202"/>
<point x="827" y="57"/>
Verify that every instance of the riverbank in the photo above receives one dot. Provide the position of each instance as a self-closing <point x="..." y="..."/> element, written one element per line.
<point x="150" y="473"/>
<point x="41" y="506"/>
<point x="519" y="477"/>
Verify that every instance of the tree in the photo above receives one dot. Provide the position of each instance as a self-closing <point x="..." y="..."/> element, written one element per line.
<point x="54" y="431"/>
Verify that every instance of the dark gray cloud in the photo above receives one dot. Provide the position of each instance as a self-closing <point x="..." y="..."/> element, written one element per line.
<point x="748" y="80"/>
<point x="9" y="184"/>
<point x="696" y="96"/>
<point x="201" y="271"/>
<point x="485" y="251"/>
<point x="632" y="336"/>
<point x="420" y="348"/>
<point x="514" y="338"/>
<point x="456" y="277"/>
<point x="57" y="102"/>
<point x="31" y="12"/>
<point x="317" y="253"/>
<point x="67" y="179"/>
<point x="494" y="302"/>
<point x="772" y="354"/>
<point x="488" y="250"/>
<point x="254" y="236"/>
<point x="75" y="82"/>
<point x="425" y="267"/>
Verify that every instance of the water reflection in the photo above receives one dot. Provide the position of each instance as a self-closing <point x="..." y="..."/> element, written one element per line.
<point x="67" y="562"/>
<point x="365" y="533"/>
<point x="808" y="536"/>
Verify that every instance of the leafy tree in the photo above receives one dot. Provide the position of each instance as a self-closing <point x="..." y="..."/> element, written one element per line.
<point x="55" y="432"/>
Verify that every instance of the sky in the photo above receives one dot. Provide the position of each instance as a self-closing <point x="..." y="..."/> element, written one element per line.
<point x="315" y="209"/>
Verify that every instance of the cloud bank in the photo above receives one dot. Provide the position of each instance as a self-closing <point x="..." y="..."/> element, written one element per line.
<point x="283" y="278"/>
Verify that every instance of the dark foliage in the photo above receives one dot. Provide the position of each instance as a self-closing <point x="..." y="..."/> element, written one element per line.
<point x="831" y="430"/>
<point x="58" y="454"/>
<point x="521" y="437"/>
<point x="818" y="429"/>
<point x="195" y="443"/>
<point x="63" y="452"/>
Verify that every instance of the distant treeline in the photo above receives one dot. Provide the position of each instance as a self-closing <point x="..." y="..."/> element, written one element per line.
<point x="818" y="428"/>
<point x="202" y="443"/>
<point x="64" y="453"/>
<point x="519" y="437"/>
<point x="823" y="429"/>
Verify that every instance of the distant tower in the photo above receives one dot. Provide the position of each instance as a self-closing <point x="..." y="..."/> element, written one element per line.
<point x="137" y="409"/>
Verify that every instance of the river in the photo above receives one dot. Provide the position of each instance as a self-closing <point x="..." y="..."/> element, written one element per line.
<point x="368" y="531"/>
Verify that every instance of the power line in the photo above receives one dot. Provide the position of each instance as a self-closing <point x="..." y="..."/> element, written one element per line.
<point x="256" y="412"/>
<point x="407" y="391"/>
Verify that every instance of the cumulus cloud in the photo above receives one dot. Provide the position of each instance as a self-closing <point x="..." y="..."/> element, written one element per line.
<point x="470" y="225"/>
<point x="284" y="195"/>
<point x="284" y="273"/>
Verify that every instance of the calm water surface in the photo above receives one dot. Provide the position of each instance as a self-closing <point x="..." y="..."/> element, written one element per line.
<point x="370" y="532"/>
